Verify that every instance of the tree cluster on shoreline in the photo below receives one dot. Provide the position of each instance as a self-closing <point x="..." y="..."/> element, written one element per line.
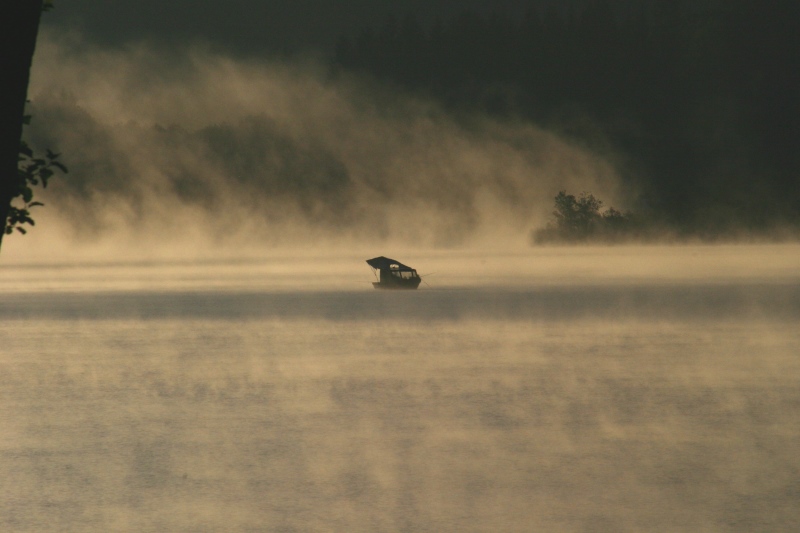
<point x="581" y="219"/>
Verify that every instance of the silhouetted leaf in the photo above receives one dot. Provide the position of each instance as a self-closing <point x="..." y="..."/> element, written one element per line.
<point x="25" y="149"/>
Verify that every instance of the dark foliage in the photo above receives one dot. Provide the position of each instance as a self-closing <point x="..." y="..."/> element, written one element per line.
<point x="700" y="97"/>
<point x="581" y="219"/>
<point x="32" y="171"/>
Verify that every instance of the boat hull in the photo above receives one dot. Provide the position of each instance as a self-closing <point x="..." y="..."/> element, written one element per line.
<point x="400" y="284"/>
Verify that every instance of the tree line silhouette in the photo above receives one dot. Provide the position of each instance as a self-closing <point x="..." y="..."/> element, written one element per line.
<point x="581" y="219"/>
<point x="696" y="101"/>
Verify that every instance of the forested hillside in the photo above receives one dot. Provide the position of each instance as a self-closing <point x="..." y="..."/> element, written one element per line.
<point x="697" y="102"/>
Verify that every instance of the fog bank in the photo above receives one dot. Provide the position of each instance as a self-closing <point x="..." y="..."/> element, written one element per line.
<point x="166" y="145"/>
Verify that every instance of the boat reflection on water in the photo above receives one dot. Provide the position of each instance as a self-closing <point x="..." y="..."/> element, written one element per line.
<point x="393" y="274"/>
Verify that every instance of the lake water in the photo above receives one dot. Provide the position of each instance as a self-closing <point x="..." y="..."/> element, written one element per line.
<point x="597" y="389"/>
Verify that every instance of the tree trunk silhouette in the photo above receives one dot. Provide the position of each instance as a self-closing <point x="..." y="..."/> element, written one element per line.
<point x="19" y="25"/>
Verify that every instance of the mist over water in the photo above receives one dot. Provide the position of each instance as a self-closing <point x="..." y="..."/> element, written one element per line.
<point x="189" y="339"/>
<point x="586" y="389"/>
<point x="164" y="142"/>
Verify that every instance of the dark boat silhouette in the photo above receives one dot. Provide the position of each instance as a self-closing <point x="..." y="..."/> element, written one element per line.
<point x="394" y="274"/>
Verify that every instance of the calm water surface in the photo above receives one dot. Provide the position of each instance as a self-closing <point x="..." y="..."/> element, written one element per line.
<point x="617" y="390"/>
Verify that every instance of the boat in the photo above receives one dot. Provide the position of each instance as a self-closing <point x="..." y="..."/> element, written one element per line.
<point x="393" y="274"/>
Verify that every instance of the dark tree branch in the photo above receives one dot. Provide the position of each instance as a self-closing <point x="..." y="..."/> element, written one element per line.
<point x="19" y="26"/>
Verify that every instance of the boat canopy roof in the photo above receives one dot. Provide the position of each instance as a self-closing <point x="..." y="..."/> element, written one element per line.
<point x="384" y="263"/>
